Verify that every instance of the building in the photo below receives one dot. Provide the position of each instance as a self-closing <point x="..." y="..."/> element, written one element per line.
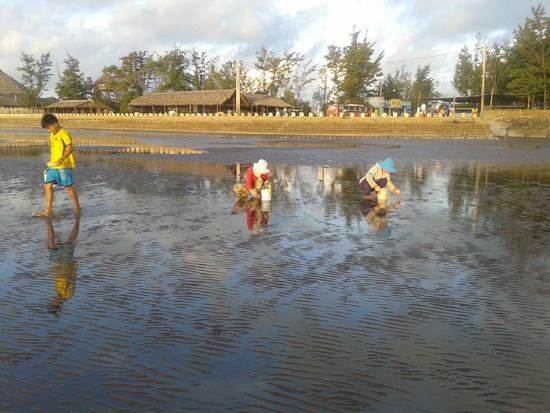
<point x="207" y="102"/>
<point x="11" y="91"/>
<point x="78" y="107"/>
<point x="391" y="107"/>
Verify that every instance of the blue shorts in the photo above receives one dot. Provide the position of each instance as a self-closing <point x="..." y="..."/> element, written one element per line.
<point x="61" y="177"/>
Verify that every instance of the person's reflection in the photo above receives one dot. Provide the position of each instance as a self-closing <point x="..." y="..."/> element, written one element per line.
<point x="257" y="213"/>
<point x="376" y="216"/>
<point x="64" y="265"/>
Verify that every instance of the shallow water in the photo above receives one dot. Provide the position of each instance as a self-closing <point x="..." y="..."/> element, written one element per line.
<point x="171" y="298"/>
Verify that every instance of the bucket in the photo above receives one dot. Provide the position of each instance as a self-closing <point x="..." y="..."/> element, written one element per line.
<point x="265" y="206"/>
<point x="383" y="194"/>
<point x="265" y="193"/>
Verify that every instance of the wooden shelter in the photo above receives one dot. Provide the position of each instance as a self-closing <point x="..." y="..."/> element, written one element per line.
<point x="79" y="107"/>
<point x="205" y="102"/>
<point x="11" y="91"/>
<point x="260" y="103"/>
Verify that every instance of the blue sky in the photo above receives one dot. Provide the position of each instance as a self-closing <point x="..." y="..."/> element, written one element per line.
<point x="99" y="32"/>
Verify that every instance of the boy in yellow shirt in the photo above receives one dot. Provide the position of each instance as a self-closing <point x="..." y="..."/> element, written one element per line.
<point x="61" y="164"/>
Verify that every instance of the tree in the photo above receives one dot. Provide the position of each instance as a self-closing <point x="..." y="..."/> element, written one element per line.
<point x="88" y="88"/>
<point x="263" y="65"/>
<point x="497" y="72"/>
<point x="131" y="80"/>
<point x="226" y="77"/>
<point x="35" y="77"/>
<point x="302" y="75"/>
<point x="353" y="69"/>
<point x="321" y="95"/>
<point x="200" y="64"/>
<point x="527" y="81"/>
<point x="71" y="83"/>
<point x="171" y="71"/>
<point x="274" y="72"/>
<point x="467" y="77"/>
<point x="423" y="86"/>
<point x="398" y="86"/>
<point x="530" y="57"/>
<point x="284" y="76"/>
<point x="281" y="73"/>
<point x="464" y="73"/>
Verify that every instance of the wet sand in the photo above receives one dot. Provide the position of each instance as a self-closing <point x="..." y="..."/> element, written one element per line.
<point x="164" y="297"/>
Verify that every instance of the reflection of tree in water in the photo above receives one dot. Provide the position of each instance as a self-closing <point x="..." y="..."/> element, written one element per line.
<point x="461" y="189"/>
<point x="511" y="201"/>
<point x="64" y="265"/>
<point x="414" y="179"/>
<point x="339" y="192"/>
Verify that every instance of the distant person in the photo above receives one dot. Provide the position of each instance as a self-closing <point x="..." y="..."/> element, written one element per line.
<point x="379" y="177"/>
<point x="255" y="178"/>
<point x="423" y="109"/>
<point x="60" y="166"/>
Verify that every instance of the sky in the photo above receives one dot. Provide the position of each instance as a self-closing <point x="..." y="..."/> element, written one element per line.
<point x="409" y="33"/>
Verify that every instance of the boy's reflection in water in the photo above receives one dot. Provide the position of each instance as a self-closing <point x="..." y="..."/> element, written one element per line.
<point x="257" y="213"/>
<point x="377" y="216"/>
<point x="64" y="265"/>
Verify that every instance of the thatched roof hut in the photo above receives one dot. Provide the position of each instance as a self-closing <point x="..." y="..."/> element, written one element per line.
<point x="11" y="91"/>
<point x="204" y="101"/>
<point x="259" y="100"/>
<point x="78" y="106"/>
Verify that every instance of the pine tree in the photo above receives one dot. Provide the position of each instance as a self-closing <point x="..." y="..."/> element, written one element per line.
<point x="35" y="77"/>
<point x="530" y="58"/>
<point x="353" y="69"/>
<point x="71" y="83"/>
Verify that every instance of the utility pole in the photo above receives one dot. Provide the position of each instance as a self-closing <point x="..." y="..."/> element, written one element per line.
<point x="381" y="104"/>
<point x="483" y="80"/>
<point x="238" y="89"/>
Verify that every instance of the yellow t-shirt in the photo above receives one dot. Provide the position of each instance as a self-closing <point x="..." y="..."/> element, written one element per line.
<point x="58" y="143"/>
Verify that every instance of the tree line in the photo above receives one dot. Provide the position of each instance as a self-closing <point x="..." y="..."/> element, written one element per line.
<point x="519" y="69"/>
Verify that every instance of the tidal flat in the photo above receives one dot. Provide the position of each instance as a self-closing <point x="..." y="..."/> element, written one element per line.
<point x="164" y="295"/>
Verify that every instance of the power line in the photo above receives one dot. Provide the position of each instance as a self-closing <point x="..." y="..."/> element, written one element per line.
<point x="422" y="58"/>
<point x="401" y="60"/>
<point x="433" y="56"/>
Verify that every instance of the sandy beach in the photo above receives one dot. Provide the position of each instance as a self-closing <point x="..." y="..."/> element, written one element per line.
<point x="164" y="295"/>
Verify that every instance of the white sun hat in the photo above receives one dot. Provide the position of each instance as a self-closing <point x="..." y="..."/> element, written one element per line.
<point x="260" y="167"/>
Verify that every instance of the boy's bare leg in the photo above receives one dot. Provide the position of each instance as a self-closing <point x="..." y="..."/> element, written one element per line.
<point x="48" y="190"/>
<point x="74" y="197"/>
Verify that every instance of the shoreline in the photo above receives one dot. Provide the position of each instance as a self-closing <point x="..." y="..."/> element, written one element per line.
<point x="494" y="124"/>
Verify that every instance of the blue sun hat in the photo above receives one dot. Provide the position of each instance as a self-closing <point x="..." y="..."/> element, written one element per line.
<point x="388" y="165"/>
<point x="384" y="232"/>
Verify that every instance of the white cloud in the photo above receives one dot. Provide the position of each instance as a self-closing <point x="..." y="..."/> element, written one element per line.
<point x="99" y="32"/>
